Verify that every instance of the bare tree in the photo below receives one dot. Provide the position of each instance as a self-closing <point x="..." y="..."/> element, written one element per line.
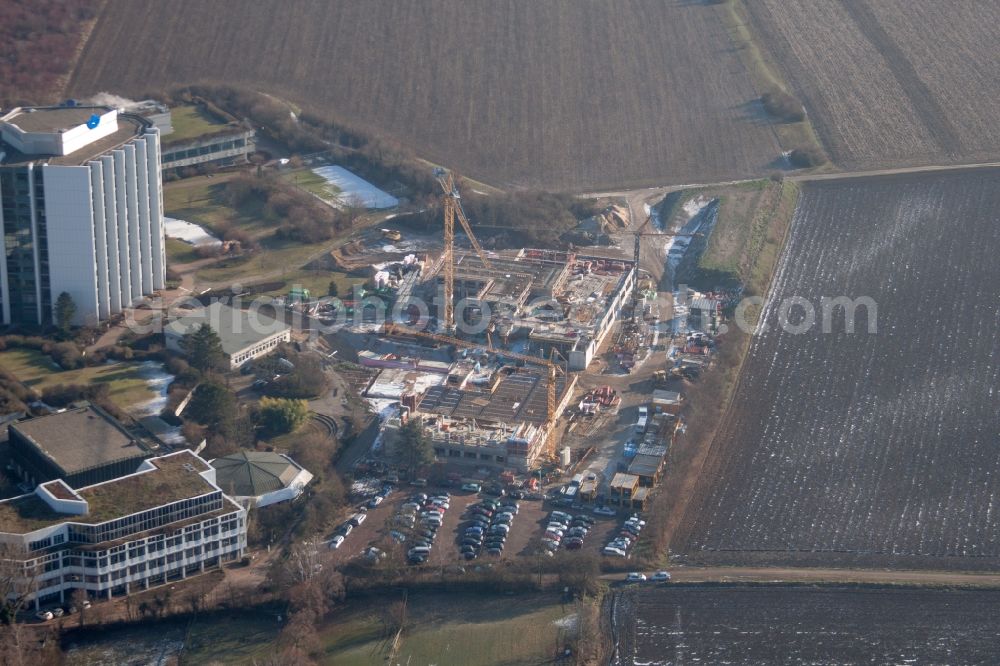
<point x="16" y="581"/>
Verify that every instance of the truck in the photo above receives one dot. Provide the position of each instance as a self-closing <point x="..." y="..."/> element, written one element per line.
<point x="640" y="424"/>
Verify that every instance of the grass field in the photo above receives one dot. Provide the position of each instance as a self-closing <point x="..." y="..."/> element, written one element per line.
<point x="455" y="631"/>
<point x="190" y="122"/>
<point x="179" y="252"/>
<point x="893" y="82"/>
<point x="313" y="183"/>
<point x="126" y="384"/>
<point x="200" y="200"/>
<point x="556" y="95"/>
<point x="874" y="446"/>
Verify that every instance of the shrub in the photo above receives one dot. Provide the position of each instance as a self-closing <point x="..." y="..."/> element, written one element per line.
<point x="806" y="157"/>
<point x="782" y="105"/>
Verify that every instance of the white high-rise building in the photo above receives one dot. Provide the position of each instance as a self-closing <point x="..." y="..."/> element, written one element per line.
<point x="81" y="207"/>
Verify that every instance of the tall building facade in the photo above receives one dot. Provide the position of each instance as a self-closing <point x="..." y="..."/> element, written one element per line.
<point x="81" y="207"/>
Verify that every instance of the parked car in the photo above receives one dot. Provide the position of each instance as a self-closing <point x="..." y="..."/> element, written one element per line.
<point x="58" y="612"/>
<point x="345" y="529"/>
<point x="635" y="577"/>
<point x="419" y="483"/>
<point x="375" y="501"/>
<point x="660" y="576"/>
<point x="604" y="511"/>
<point x="612" y="550"/>
<point x="358" y="518"/>
<point x="398" y="536"/>
<point x="44" y="615"/>
<point x="336" y="541"/>
<point x="471" y="487"/>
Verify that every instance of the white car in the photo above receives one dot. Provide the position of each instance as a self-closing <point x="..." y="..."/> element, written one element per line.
<point x="375" y="501"/>
<point x="611" y="550"/>
<point x="336" y="541"/>
<point x="635" y="577"/>
<point x="44" y="615"/>
<point x="660" y="576"/>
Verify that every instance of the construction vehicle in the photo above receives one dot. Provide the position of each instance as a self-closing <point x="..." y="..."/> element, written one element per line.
<point x="392" y="234"/>
<point x="390" y="329"/>
<point x="451" y="204"/>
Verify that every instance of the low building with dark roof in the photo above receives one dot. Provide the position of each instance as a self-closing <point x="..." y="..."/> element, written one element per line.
<point x="260" y="478"/>
<point x="82" y="446"/>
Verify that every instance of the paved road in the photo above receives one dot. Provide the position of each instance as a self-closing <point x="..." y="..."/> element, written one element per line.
<point x="809" y="575"/>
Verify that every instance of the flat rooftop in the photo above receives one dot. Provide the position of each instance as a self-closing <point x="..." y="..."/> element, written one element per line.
<point x="129" y="126"/>
<point x="172" y="478"/>
<point x="236" y="329"/>
<point x="53" y="118"/>
<point x="80" y="439"/>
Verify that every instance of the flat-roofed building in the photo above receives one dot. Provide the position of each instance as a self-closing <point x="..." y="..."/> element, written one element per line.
<point x="244" y="335"/>
<point x="165" y="522"/>
<point x="81" y="446"/>
<point x="81" y="208"/>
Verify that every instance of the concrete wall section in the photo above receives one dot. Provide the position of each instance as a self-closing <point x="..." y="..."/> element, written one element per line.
<point x="121" y="204"/>
<point x="158" y="246"/>
<point x="100" y="239"/>
<point x="142" y="190"/>
<point x="111" y="233"/>
<point x="70" y="231"/>
<point x="134" y="238"/>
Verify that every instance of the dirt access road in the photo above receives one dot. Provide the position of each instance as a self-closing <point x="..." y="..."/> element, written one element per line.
<point x="839" y="576"/>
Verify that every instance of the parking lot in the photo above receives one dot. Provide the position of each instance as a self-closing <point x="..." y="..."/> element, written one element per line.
<point x="386" y="528"/>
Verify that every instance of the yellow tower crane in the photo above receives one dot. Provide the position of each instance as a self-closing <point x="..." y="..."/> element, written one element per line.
<point x="451" y="203"/>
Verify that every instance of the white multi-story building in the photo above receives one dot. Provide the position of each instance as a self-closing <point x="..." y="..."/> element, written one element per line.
<point x="165" y="522"/>
<point x="81" y="207"/>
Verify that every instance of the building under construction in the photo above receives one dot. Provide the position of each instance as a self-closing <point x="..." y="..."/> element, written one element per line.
<point x="550" y="299"/>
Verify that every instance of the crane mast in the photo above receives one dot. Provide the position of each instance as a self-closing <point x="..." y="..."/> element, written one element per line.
<point x="451" y="205"/>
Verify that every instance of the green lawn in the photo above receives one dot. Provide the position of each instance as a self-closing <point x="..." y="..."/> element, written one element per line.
<point x="190" y="122"/>
<point x="126" y="385"/>
<point x="200" y="200"/>
<point x="310" y="182"/>
<point x="179" y="252"/>
<point x="318" y="283"/>
<point x="454" y="631"/>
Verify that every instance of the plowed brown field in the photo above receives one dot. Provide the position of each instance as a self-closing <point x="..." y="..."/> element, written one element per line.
<point x="892" y="82"/>
<point x="559" y="94"/>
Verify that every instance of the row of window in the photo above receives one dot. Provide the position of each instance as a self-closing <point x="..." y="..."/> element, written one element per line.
<point x="441" y="452"/>
<point x="204" y="150"/>
<point x="258" y="350"/>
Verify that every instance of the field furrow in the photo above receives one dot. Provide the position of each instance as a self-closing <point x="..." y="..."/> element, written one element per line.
<point x="882" y="444"/>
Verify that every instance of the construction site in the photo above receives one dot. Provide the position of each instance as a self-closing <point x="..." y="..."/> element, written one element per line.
<point x="484" y="347"/>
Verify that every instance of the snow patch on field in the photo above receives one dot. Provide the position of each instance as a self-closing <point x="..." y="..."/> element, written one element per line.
<point x="188" y="232"/>
<point x="355" y="189"/>
<point x="158" y="380"/>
